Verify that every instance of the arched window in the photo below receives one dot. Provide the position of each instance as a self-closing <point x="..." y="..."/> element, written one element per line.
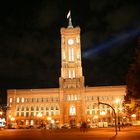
<point x="72" y="110"/>
<point x="57" y="108"/>
<point x="22" y="109"/>
<point x="52" y="108"/>
<point x="18" y="100"/>
<point x="27" y="108"/>
<point x="22" y="100"/>
<point x="17" y="108"/>
<point x="32" y="108"/>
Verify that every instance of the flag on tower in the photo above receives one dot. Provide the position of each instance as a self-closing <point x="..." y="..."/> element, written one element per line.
<point x="69" y="14"/>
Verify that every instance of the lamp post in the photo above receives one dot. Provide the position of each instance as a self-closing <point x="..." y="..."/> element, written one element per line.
<point x="118" y="120"/>
<point x="113" y="111"/>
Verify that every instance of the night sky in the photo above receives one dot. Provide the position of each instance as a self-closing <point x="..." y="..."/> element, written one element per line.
<point x="30" y="40"/>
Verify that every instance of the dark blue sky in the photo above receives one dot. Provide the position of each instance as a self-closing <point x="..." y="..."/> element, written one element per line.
<point x="30" y="40"/>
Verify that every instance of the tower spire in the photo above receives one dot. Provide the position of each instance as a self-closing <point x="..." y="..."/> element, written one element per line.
<point x="70" y="20"/>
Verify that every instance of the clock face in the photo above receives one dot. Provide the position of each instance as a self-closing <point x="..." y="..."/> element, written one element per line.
<point x="70" y="41"/>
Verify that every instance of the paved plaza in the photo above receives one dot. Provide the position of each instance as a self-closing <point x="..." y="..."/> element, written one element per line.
<point x="130" y="133"/>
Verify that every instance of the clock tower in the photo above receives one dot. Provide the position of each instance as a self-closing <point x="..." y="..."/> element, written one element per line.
<point x="71" y="82"/>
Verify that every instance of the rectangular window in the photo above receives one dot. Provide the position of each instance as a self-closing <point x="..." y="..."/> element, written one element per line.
<point x="32" y="114"/>
<point x="27" y="122"/>
<point x="69" y="73"/>
<point x="64" y="55"/>
<point x="47" y="113"/>
<point x="72" y="54"/>
<point x="22" y="114"/>
<point x="18" y="100"/>
<point x="17" y="114"/>
<point x="73" y="73"/>
<point x="10" y="100"/>
<point x="72" y="110"/>
<point x="22" y="100"/>
<point x="57" y="112"/>
<point x="27" y="114"/>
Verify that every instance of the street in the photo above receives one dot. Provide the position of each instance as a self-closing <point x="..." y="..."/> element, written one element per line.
<point x="130" y="133"/>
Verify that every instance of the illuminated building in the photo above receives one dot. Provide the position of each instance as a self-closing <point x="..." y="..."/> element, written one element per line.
<point x="72" y="102"/>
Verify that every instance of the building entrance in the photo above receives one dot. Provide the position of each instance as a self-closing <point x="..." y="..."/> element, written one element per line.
<point x="72" y="123"/>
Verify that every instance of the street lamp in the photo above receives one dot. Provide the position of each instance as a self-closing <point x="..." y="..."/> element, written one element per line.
<point x="1" y="113"/>
<point x="133" y="116"/>
<point x="12" y="119"/>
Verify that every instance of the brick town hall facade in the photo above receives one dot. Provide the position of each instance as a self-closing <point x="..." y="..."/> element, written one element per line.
<point x="72" y="102"/>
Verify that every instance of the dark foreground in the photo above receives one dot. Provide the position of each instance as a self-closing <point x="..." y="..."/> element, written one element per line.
<point x="131" y="133"/>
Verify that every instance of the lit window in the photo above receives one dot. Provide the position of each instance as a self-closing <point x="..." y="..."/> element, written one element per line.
<point x="18" y="100"/>
<point x="72" y="110"/>
<point x="68" y="97"/>
<point x="10" y="100"/>
<point x="75" y="97"/>
<point x="69" y="73"/>
<point x="22" y="100"/>
<point x="27" y="122"/>
<point x="71" y="54"/>
<point x="73" y="73"/>
<point x="64" y="55"/>
<point x="72" y="97"/>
